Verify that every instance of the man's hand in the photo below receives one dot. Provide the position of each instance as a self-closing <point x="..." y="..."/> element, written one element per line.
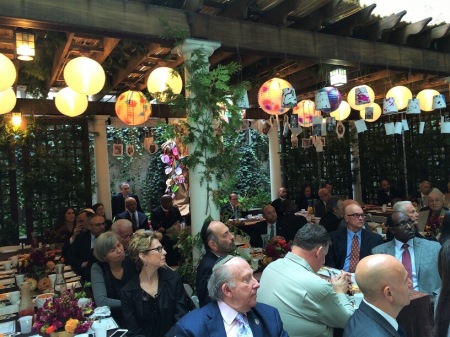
<point x="341" y="282"/>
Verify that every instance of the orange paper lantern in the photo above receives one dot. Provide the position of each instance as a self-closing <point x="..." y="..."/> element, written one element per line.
<point x="133" y="108"/>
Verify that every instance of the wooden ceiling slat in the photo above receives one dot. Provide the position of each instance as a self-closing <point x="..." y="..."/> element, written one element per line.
<point x="278" y="15"/>
<point x="401" y="35"/>
<point x="374" y="31"/>
<point x="347" y="25"/>
<point x="237" y="9"/>
<point x="427" y="37"/>
<point x="59" y="60"/>
<point x="313" y="22"/>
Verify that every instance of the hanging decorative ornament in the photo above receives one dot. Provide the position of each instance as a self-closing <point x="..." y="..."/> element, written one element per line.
<point x="389" y="106"/>
<point x="7" y="73"/>
<point x="306" y="110"/>
<point x="270" y="96"/>
<point x="7" y="100"/>
<point x="360" y="96"/>
<point x="289" y="99"/>
<point x="322" y="101"/>
<point x="413" y="106"/>
<point x="340" y="129"/>
<point x="371" y="112"/>
<point x="71" y="103"/>
<point x="84" y="75"/>
<point x="425" y="98"/>
<point x="334" y="99"/>
<point x="161" y="79"/>
<point x="342" y="112"/>
<point x="133" y="108"/>
<point x="130" y="150"/>
<point x="401" y="96"/>
<point x="439" y="102"/>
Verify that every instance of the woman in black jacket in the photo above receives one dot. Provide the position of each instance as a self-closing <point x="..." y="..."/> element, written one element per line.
<point x="154" y="300"/>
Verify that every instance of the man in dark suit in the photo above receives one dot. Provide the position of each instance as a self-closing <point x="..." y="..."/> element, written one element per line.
<point x="118" y="200"/>
<point x="138" y="219"/>
<point x="233" y="290"/>
<point x="282" y="195"/>
<point x="351" y="244"/>
<point x="80" y="255"/>
<point x="165" y="215"/>
<point x="385" y="194"/>
<point x="385" y="285"/>
<point x="232" y="209"/>
<point x="218" y="241"/>
<point x="320" y="207"/>
<point x="421" y="196"/>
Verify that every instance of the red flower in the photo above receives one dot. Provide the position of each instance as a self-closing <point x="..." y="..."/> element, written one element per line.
<point x="277" y="247"/>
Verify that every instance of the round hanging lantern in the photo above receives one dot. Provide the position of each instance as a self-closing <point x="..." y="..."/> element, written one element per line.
<point x="334" y="96"/>
<point x="84" y="75"/>
<point x="425" y="98"/>
<point x="7" y="73"/>
<point x="306" y="110"/>
<point x="270" y="96"/>
<point x="342" y="112"/>
<point x="71" y="103"/>
<point x="133" y="108"/>
<point x="373" y="109"/>
<point x="360" y="96"/>
<point x="161" y="79"/>
<point x="7" y="100"/>
<point x="401" y="96"/>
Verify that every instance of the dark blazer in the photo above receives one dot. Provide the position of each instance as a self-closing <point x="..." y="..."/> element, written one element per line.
<point x="368" y="323"/>
<point x="142" y="219"/>
<point x="319" y="209"/>
<point x="255" y="231"/>
<point x="330" y="221"/>
<point x="384" y="198"/>
<point x="277" y="205"/>
<point x="204" y="271"/>
<point x="290" y="224"/>
<point x="118" y="203"/>
<point x="226" y="213"/>
<point x="263" y="319"/>
<point x="160" y="219"/>
<point x="80" y="251"/>
<point x="171" y="298"/>
<point x="338" y="249"/>
<point x="302" y="202"/>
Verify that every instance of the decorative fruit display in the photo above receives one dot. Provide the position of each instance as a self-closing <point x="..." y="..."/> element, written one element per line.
<point x="44" y="284"/>
<point x="32" y="282"/>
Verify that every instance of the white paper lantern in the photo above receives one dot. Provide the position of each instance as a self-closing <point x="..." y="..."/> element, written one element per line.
<point x="364" y="94"/>
<point x="162" y="79"/>
<point x="71" y="103"/>
<point x="401" y="96"/>
<point x="425" y="98"/>
<point x="7" y="100"/>
<point x="342" y="112"/>
<point x="374" y="109"/>
<point x="306" y="110"/>
<point x="7" y="73"/>
<point x="270" y="96"/>
<point x="84" y="75"/>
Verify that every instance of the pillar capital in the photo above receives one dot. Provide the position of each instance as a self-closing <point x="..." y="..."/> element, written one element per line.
<point x="186" y="49"/>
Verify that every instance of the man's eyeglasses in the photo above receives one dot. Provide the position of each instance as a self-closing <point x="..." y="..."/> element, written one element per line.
<point x="404" y="223"/>
<point x="159" y="249"/>
<point x="357" y="215"/>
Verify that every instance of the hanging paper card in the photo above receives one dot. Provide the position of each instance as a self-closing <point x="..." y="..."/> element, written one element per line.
<point x="405" y="125"/>
<point x="413" y="106"/>
<point x="360" y="125"/>
<point x="340" y="129"/>
<point x="389" y="127"/>
<point x="421" y="127"/>
<point x="289" y="99"/>
<point x="398" y="128"/>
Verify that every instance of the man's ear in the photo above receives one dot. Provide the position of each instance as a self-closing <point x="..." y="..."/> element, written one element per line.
<point x="226" y="290"/>
<point x="212" y="245"/>
<point x="318" y="251"/>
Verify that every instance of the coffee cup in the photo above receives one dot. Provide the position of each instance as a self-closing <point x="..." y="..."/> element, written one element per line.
<point x="25" y="324"/>
<point x="379" y="230"/>
<point x="100" y="328"/>
<point x="20" y="278"/>
<point x="14" y="260"/>
<point x="7" y="265"/>
<point x="14" y="297"/>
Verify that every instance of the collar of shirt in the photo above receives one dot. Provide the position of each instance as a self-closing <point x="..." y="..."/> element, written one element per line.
<point x="351" y="234"/>
<point x="92" y="241"/>
<point x="228" y="315"/>
<point x="274" y="228"/>
<point x="387" y="317"/>
<point x="131" y="214"/>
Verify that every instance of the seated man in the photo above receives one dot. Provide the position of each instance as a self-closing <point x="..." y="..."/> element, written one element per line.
<point x="118" y="200"/>
<point x="231" y="210"/>
<point x="385" y="284"/>
<point x="282" y="195"/>
<point x="289" y="222"/>
<point x="165" y="215"/>
<point x="429" y="215"/>
<point x="419" y="256"/>
<point x="320" y="207"/>
<point x="353" y="243"/>
<point x="138" y="219"/>
<point x="123" y="229"/>
<point x="386" y="194"/>
<point x="233" y="310"/>
<point x="308" y="304"/>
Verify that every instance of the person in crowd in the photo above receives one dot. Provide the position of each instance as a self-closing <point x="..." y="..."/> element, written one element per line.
<point x="282" y="195"/>
<point x="329" y="186"/>
<point x="165" y="215"/>
<point x="112" y="271"/>
<point x="99" y="209"/>
<point x="429" y="215"/>
<point x="442" y="307"/>
<point x="154" y="299"/>
<point x="138" y="219"/>
<point x="118" y="200"/>
<point x="421" y="196"/>
<point x="386" y="193"/>
<point x="306" y="197"/>
<point x="289" y="222"/>
<point x="170" y="241"/>
<point x="385" y="284"/>
<point x="445" y="229"/>
<point x="80" y="255"/>
<point x="65" y="228"/>
<point x="333" y="215"/>
<point x="320" y="207"/>
<point x="123" y="229"/>
<point x="353" y="243"/>
<point x="418" y="255"/>
<point x="408" y="208"/>
<point x="233" y="310"/>
<point x="83" y="220"/>
<point x="447" y="195"/>
<point x="218" y="241"/>
<point x="232" y="209"/>
<point x="308" y="304"/>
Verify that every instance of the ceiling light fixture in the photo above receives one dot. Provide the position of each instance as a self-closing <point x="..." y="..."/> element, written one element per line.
<point x="25" y="46"/>
<point x="338" y="77"/>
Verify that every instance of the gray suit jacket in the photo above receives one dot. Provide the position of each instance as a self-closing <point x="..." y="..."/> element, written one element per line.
<point x="426" y="256"/>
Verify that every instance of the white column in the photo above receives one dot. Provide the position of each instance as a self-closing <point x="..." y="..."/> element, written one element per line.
<point x="201" y="204"/>
<point x="274" y="161"/>
<point x="102" y="182"/>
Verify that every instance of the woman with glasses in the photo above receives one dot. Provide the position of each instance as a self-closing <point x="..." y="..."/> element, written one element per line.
<point x="111" y="273"/>
<point x="153" y="300"/>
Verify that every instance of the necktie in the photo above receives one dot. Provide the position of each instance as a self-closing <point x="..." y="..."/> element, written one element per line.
<point x="406" y="260"/>
<point x="133" y="220"/>
<point x="272" y="232"/>
<point x="235" y="214"/>
<point x="354" y="254"/>
<point x="244" y="329"/>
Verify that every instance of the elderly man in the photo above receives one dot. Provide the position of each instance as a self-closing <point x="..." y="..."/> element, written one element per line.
<point x="408" y="208"/>
<point x="218" y="241"/>
<point x="320" y="207"/>
<point x="138" y="219"/>
<point x="353" y="243"/>
<point x="433" y="211"/>
<point x="419" y="256"/>
<point x="123" y="229"/>
<point x="308" y="304"/>
<point x="118" y="200"/>
<point x="234" y="310"/>
<point x="282" y="195"/>
<point x="232" y="209"/>
<point x="165" y="215"/>
<point x="421" y="196"/>
<point x="385" y="284"/>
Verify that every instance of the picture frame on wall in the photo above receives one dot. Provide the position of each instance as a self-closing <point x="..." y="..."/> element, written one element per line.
<point x="117" y="150"/>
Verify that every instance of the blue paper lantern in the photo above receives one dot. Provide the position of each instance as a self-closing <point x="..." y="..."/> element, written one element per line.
<point x="334" y="96"/>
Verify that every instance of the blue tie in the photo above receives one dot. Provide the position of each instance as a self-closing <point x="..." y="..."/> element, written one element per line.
<point x="244" y="329"/>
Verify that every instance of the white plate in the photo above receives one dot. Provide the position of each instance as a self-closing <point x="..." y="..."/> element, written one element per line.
<point x="8" y="327"/>
<point x="9" y="249"/>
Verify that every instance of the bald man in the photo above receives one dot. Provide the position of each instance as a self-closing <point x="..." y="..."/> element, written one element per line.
<point x="320" y="207"/>
<point x="385" y="284"/>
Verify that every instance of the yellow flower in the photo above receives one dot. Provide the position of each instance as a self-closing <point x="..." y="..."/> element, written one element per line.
<point x="71" y="325"/>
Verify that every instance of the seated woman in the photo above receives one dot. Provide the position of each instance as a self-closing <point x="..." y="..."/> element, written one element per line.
<point x="64" y="228"/>
<point x="99" y="209"/>
<point x="306" y="197"/>
<point x="429" y="216"/>
<point x="153" y="300"/>
<point x="111" y="273"/>
<point x="442" y="309"/>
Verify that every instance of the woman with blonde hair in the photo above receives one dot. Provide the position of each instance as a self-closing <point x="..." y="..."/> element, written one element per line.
<point x="153" y="300"/>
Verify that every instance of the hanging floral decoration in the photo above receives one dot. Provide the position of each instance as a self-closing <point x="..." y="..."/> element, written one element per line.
<point x="175" y="168"/>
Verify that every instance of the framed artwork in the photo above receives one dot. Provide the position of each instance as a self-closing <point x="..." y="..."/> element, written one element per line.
<point x="130" y="150"/>
<point x="117" y="150"/>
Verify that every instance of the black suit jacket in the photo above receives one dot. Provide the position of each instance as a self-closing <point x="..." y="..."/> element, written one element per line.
<point x="384" y="198"/>
<point x="290" y="224"/>
<point x="204" y="271"/>
<point x="118" y="203"/>
<point x="80" y="251"/>
<point x="368" y="323"/>
<point x="277" y="205"/>
<point x="338" y="249"/>
<point x="319" y="208"/>
<point x="226" y="213"/>
<point x="160" y="219"/>
<point x="255" y="231"/>
<point x="142" y="219"/>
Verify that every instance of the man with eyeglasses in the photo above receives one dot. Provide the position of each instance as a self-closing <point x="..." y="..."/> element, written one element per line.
<point x="123" y="229"/>
<point x="232" y="209"/>
<point x="80" y="255"/>
<point x="351" y="244"/>
<point x="418" y="255"/>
